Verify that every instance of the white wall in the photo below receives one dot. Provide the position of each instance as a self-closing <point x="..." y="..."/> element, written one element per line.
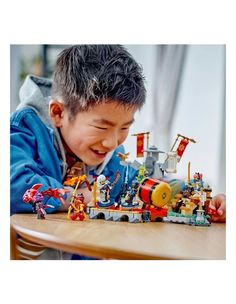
<point x="199" y="113"/>
<point x="146" y="56"/>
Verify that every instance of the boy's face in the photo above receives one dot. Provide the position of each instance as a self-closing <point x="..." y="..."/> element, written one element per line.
<point x="94" y="133"/>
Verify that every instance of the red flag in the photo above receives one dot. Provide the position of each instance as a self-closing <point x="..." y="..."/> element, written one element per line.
<point x="182" y="146"/>
<point x="140" y="144"/>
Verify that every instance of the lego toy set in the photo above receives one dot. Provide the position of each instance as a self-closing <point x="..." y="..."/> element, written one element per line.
<point x="150" y="197"/>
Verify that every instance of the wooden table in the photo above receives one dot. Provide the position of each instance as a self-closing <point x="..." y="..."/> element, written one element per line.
<point x="122" y="240"/>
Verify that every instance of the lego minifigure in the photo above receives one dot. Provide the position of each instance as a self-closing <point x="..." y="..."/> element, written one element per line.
<point x="197" y="180"/>
<point x="129" y="199"/>
<point x="77" y="208"/>
<point x="104" y="187"/>
<point x="142" y="173"/>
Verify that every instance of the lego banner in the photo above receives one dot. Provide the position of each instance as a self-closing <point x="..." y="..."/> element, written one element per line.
<point x="182" y="146"/>
<point x="140" y="145"/>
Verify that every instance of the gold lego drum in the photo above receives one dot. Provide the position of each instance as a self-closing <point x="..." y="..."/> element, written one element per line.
<point x="154" y="191"/>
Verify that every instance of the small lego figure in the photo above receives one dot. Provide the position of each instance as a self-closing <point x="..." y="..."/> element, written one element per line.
<point x="104" y="187"/>
<point x="129" y="199"/>
<point x="40" y="209"/>
<point x="72" y="207"/>
<point x="77" y="208"/>
<point x="141" y="173"/>
<point x="76" y="200"/>
<point x="34" y="197"/>
<point x="101" y="190"/>
<point x="197" y="180"/>
<point x="38" y="206"/>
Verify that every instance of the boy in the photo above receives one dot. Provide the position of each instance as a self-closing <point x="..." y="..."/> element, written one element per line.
<point x="78" y="121"/>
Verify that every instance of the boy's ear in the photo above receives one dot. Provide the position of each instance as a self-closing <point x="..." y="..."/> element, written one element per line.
<point x="56" y="112"/>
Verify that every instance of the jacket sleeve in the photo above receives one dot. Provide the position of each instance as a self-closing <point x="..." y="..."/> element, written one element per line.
<point x="33" y="160"/>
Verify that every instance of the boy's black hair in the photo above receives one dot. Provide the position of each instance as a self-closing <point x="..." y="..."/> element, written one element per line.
<point x="85" y="75"/>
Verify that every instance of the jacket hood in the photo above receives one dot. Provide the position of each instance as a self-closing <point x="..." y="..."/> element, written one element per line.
<point x="36" y="93"/>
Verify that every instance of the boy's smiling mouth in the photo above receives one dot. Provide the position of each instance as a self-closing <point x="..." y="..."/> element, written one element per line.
<point x="99" y="153"/>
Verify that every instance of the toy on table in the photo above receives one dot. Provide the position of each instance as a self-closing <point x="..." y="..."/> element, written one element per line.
<point x="152" y="196"/>
<point x="77" y="206"/>
<point x="130" y="200"/>
<point x="102" y="188"/>
<point x="191" y="206"/>
<point x="142" y="173"/>
<point x="139" y="204"/>
<point x="103" y="208"/>
<point x="35" y="197"/>
<point x="186" y="211"/>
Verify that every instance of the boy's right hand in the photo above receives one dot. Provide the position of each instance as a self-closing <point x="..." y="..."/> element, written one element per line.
<point x="218" y="204"/>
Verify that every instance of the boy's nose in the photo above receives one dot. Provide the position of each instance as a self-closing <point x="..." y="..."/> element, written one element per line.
<point x="110" y="142"/>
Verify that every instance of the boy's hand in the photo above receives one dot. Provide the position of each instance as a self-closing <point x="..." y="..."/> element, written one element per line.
<point x="218" y="204"/>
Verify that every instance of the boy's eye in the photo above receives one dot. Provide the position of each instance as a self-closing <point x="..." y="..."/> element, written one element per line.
<point x="100" y="128"/>
<point x="105" y="128"/>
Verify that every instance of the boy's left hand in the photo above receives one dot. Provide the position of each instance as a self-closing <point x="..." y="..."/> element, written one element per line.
<point x="218" y="204"/>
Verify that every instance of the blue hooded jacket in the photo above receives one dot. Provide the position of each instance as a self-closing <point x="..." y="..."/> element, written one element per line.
<point x="37" y="153"/>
